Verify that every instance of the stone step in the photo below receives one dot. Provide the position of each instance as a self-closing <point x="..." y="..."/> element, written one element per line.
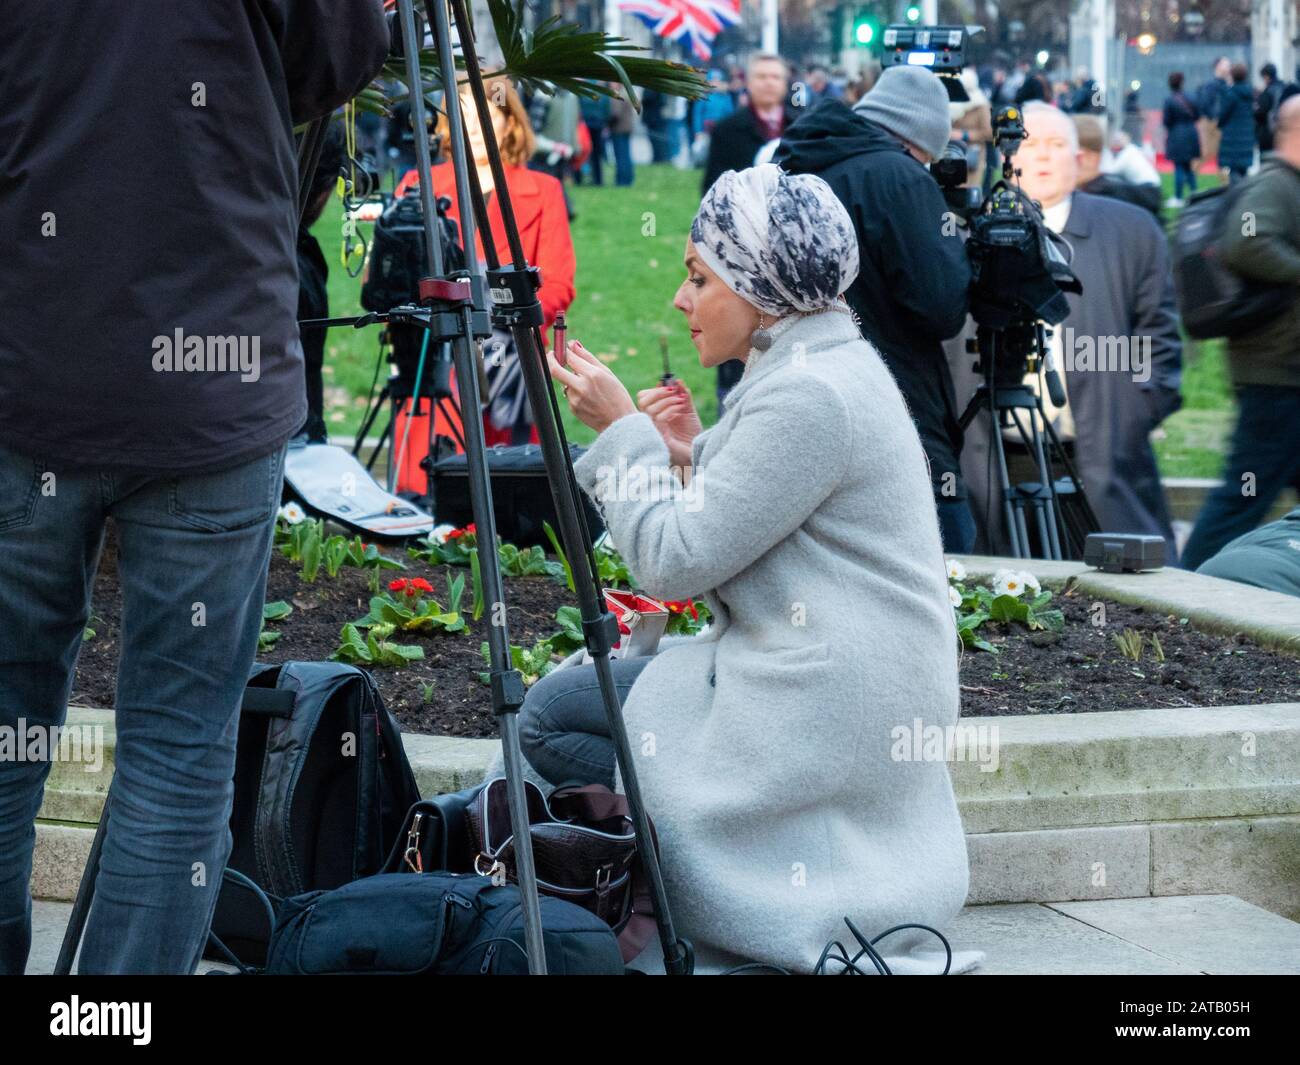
<point x="1179" y="935"/>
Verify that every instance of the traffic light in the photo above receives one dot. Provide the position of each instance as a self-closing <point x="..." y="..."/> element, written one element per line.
<point x="913" y="13"/>
<point x="866" y="27"/>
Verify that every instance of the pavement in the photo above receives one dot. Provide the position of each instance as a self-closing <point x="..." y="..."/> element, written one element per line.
<point x="1170" y="935"/>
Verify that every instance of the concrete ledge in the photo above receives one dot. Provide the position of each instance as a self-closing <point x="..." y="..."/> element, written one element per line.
<point x="1121" y="767"/>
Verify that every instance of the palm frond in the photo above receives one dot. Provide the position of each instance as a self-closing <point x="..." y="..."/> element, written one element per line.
<point x="554" y="55"/>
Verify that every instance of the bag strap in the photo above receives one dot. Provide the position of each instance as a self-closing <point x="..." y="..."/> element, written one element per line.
<point x="273" y="702"/>
<point x="591" y="802"/>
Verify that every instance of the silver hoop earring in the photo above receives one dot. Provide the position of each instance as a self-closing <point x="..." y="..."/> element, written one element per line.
<point x="760" y="339"/>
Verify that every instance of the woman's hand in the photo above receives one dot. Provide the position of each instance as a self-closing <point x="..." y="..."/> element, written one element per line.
<point x="596" y="397"/>
<point x="673" y="411"/>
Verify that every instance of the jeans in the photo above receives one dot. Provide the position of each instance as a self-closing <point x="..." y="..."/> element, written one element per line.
<point x="1184" y="175"/>
<point x="956" y="526"/>
<point x="1236" y="174"/>
<point x="562" y="728"/>
<point x="624" y="172"/>
<point x="193" y="552"/>
<point x="1264" y="458"/>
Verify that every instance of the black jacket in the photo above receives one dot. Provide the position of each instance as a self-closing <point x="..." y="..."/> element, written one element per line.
<point x="734" y="143"/>
<point x="1145" y="196"/>
<point x="910" y="292"/>
<point x="148" y="185"/>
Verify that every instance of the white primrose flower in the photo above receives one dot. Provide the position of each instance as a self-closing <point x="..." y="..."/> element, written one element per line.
<point x="1030" y="582"/>
<point x="956" y="571"/>
<point x="954" y="596"/>
<point x="1008" y="582"/>
<point x="292" y="513"/>
<point x="439" y="533"/>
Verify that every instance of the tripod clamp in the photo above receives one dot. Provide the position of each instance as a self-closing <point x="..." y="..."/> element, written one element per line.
<point x="514" y="296"/>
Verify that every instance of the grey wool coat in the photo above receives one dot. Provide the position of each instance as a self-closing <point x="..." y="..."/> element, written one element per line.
<point x="763" y="745"/>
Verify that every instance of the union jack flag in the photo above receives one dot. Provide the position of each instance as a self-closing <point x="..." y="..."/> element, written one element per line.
<point x="693" y="22"/>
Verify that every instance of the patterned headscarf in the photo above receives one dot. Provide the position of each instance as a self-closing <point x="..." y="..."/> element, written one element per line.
<point x="782" y="241"/>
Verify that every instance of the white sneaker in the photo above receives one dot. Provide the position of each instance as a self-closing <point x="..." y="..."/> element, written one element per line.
<point x="1174" y="201"/>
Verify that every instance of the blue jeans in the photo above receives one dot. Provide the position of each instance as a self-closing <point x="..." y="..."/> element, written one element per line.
<point x="1266" y="446"/>
<point x="624" y="172"/>
<point x="562" y="727"/>
<point x="1184" y="176"/>
<point x="193" y="552"/>
<point x="956" y="526"/>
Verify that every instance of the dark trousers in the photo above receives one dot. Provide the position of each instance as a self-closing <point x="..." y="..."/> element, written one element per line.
<point x="1184" y="176"/>
<point x="624" y="171"/>
<point x="595" y="164"/>
<point x="1263" y="459"/>
<point x="562" y="728"/>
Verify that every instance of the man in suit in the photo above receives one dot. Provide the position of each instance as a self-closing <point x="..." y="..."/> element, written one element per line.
<point x="1119" y="349"/>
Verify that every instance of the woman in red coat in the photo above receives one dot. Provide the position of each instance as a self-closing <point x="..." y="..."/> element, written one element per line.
<point x="543" y="221"/>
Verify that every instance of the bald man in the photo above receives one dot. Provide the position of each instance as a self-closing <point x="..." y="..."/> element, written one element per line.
<point x="1261" y="242"/>
<point x="1119" y="350"/>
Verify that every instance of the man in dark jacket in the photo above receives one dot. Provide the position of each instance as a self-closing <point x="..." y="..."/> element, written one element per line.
<point x="910" y="293"/>
<point x="1236" y="118"/>
<point x="739" y="136"/>
<point x="1266" y="103"/>
<point x="1092" y="146"/>
<point x="151" y="372"/>
<point x="1261" y="242"/>
<point x="1119" y="348"/>
<point x="737" y="139"/>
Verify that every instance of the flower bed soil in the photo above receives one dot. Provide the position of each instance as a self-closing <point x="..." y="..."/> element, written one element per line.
<point x="1081" y="670"/>
<point x="1077" y="671"/>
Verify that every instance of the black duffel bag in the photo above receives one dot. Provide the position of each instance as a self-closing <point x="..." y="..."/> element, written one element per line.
<point x="432" y="924"/>
<point x="521" y="494"/>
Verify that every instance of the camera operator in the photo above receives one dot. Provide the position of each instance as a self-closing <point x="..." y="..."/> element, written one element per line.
<point x="1119" y="352"/>
<point x="910" y="293"/>
<point x="185" y="114"/>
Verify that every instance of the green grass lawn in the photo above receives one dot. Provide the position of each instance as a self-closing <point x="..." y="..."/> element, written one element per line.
<point x="630" y="243"/>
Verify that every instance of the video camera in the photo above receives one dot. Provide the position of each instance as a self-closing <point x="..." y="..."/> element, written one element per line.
<point x="397" y="262"/>
<point x="1019" y="276"/>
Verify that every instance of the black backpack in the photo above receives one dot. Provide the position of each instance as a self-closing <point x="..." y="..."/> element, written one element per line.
<point x="322" y="785"/>
<point x="1212" y="300"/>
<point x="433" y="924"/>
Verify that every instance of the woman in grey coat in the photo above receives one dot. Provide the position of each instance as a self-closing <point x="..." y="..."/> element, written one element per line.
<point x="776" y="750"/>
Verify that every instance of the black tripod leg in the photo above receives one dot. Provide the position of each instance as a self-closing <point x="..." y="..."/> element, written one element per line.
<point x="597" y="621"/>
<point x="507" y="683"/>
<point x="85" y="896"/>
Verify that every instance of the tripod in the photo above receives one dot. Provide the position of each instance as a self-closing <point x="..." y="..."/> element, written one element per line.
<point x="514" y="291"/>
<point x="433" y="387"/>
<point x="1060" y="512"/>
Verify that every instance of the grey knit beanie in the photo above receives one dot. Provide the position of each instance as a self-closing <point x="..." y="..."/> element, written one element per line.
<point x="912" y="103"/>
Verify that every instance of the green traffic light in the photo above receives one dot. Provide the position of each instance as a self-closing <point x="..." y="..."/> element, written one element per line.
<point x="913" y="14"/>
<point x="864" y="32"/>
